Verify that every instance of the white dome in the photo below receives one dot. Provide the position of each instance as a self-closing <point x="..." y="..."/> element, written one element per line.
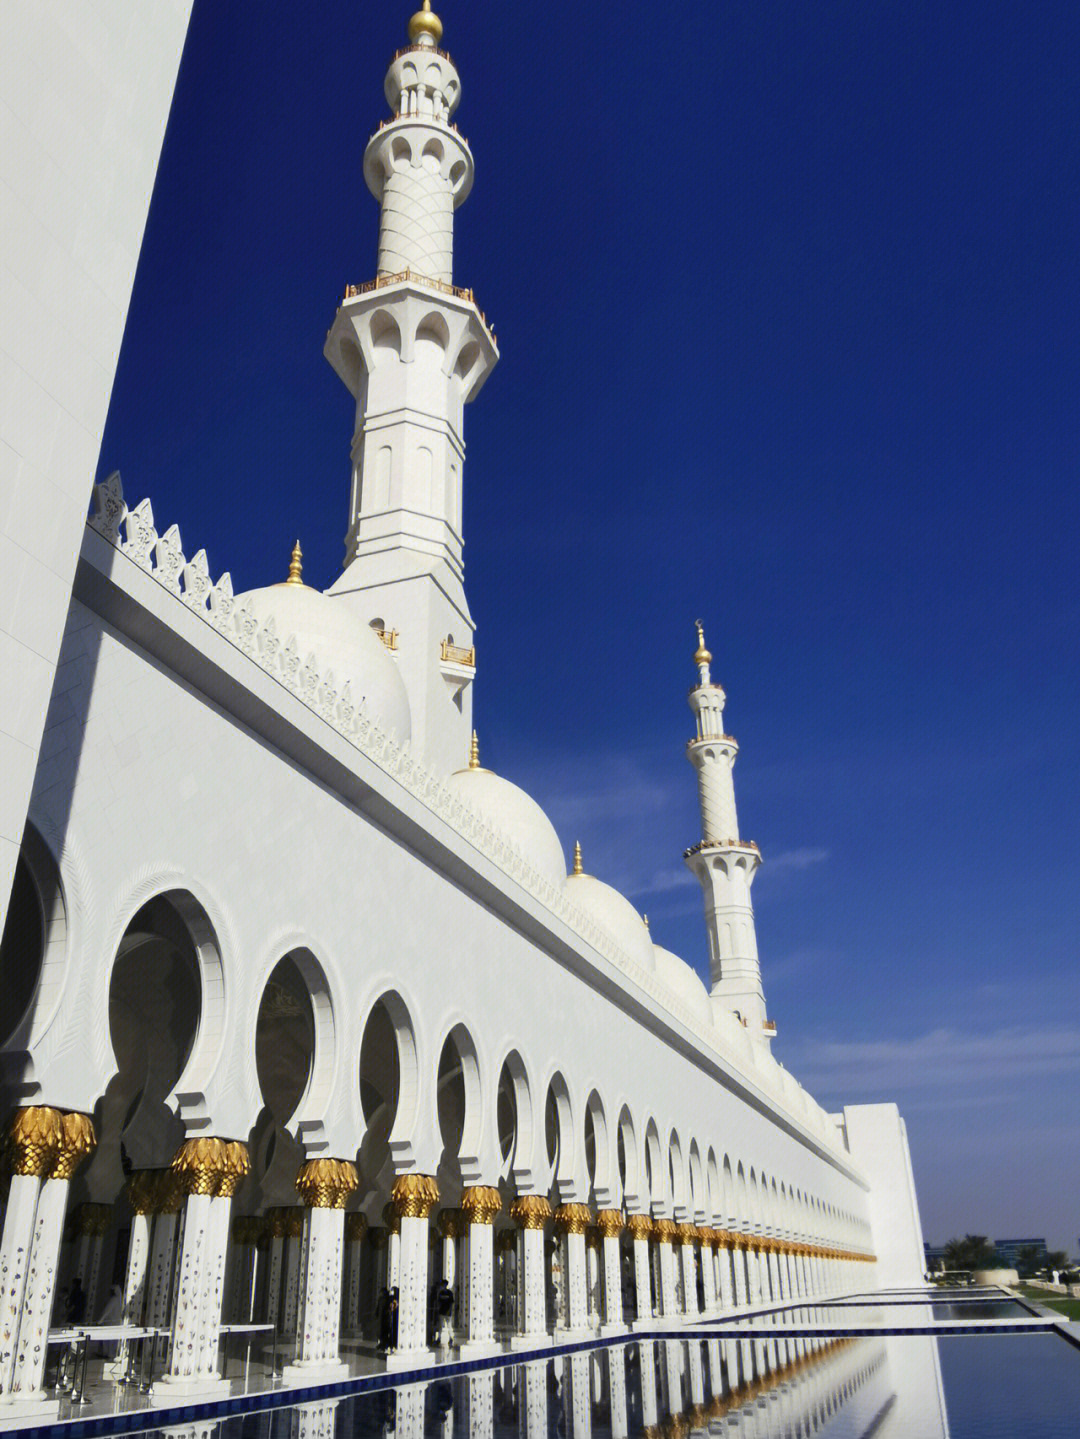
<point x="515" y="815"/>
<point x="613" y="913"/>
<point x="683" y="981"/>
<point x="328" y="629"/>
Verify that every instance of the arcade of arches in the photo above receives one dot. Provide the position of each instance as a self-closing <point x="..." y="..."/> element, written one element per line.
<point x="200" y="1229"/>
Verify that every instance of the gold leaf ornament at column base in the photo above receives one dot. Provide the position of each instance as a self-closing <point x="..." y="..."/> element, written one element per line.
<point x="34" y="1138"/>
<point x="169" y="1192"/>
<point x="530" y="1211"/>
<point x="414" y="1196"/>
<point x="294" y="1222"/>
<point x="573" y="1218"/>
<point x="93" y="1219"/>
<point x="200" y="1165"/>
<point x="355" y="1226"/>
<point x="639" y="1225"/>
<point x="327" y="1183"/>
<point x="481" y="1203"/>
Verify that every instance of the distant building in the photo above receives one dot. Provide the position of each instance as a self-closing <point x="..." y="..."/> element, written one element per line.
<point x="1009" y="1250"/>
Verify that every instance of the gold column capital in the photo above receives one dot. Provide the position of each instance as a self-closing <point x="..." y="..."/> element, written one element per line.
<point x="35" y="1135"/>
<point x="141" y="1191"/>
<point x="639" y="1225"/>
<point x="480" y="1203"/>
<point x="355" y="1225"/>
<point x="201" y="1164"/>
<point x="237" y="1166"/>
<point x="93" y="1218"/>
<point x="327" y="1183"/>
<point x="378" y="1237"/>
<point x="530" y="1211"/>
<point x="610" y="1222"/>
<point x="573" y="1218"/>
<point x="664" y="1231"/>
<point x="687" y="1233"/>
<point x="294" y="1221"/>
<point x="77" y="1142"/>
<point x="414" y="1196"/>
<point x="450" y="1223"/>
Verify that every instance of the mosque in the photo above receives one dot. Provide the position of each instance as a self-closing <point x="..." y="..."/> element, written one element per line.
<point x="301" y="1003"/>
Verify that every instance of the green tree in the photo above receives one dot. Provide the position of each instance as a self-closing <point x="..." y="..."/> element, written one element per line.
<point x="974" y="1251"/>
<point x="1028" y="1259"/>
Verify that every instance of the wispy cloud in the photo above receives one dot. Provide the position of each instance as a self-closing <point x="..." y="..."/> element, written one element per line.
<point x="938" y="1059"/>
<point x="791" y="860"/>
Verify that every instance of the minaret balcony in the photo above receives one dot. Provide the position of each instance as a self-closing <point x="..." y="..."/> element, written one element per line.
<point x="704" y="845"/>
<point x="458" y="655"/>
<point x="412" y="278"/>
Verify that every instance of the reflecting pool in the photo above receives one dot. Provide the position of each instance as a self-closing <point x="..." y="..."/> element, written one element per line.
<point x="1011" y="1385"/>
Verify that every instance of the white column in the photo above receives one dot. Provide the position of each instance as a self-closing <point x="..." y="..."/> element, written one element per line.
<point x="355" y="1227"/>
<point x="46" y="1147"/>
<point x="210" y="1170"/>
<point x="479" y="1291"/>
<point x="665" y="1254"/>
<point x="93" y="1222"/>
<point x="640" y="1226"/>
<point x="738" y="1256"/>
<point x="689" y="1277"/>
<point x="533" y="1395"/>
<point x="610" y="1222"/>
<point x="14" y="1256"/>
<point x="36" y="1313"/>
<point x="592" y="1277"/>
<point x="571" y="1221"/>
<point x="481" y="1401"/>
<point x="294" y="1247"/>
<point x="616" y="1366"/>
<point x="319" y="1327"/>
<point x="577" y="1405"/>
<point x="649" y="1407"/>
<point x="708" y="1274"/>
<point x="414" y="1196"/>
<point x="530" y="1212"/>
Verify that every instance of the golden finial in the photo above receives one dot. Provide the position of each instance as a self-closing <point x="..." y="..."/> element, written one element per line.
<point x="578" y="867"/>
<point x="702" y="655"/>
<point x="474" y="752"/>
<point x="425" y="22"/>
<point x="295" y="567"/>
<point x="645" y="917"/>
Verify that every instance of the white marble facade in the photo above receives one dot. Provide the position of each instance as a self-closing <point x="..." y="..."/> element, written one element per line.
<point x="311" y="993"/>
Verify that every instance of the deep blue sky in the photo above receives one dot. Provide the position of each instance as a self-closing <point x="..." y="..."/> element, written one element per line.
<point x="787" y="298"/>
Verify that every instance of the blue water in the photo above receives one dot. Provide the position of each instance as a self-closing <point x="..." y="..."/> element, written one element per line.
<point x="1007" y="1385"/>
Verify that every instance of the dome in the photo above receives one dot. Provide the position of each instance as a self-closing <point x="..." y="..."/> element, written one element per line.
<point x="515" y="815"/>
<point x="614" y="914"/>
<point x="683" y="981"/>
<point x="328" y="629"/>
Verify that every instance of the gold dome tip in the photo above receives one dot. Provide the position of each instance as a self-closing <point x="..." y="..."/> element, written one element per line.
<point x="578" y="867"/>
<point x="474" y="752"/>
<point x="425" y="22"/>
<point x="295" y="566"/>
<point x="645" y="919"/>
<point x="701" y="654"/>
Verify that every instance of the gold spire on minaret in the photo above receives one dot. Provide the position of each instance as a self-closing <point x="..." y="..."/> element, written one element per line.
<point x="474" y="752"/>
<point x="578" y="866"/>
<point x="295" y="566"/>
<point x="701" y="655"/>
<point x="425" y="22"/>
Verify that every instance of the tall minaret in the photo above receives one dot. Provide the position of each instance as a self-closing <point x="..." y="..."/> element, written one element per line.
<point x="724" y="864"/>
<point x="413" y="349"/>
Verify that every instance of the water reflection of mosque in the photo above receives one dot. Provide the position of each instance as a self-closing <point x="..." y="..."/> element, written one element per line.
<point x="847" y="1387"/>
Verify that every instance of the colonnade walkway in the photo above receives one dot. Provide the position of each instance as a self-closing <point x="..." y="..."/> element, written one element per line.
<point x="308" y="1291"/>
